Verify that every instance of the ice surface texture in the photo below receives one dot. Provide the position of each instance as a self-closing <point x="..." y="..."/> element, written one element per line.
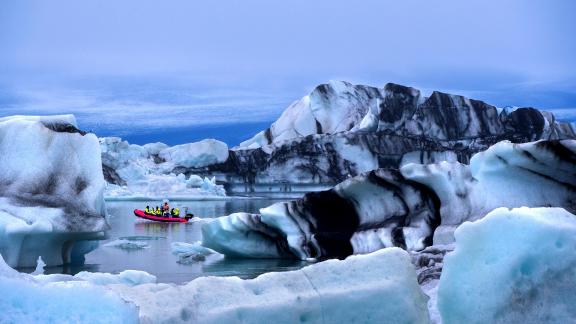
<point x="51" y="190"/>
<point x="512" y="266"/>
<point x="403" y="208"/>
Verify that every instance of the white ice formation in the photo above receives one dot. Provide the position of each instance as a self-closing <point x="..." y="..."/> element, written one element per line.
<point x="152" y="171"/>
<point x="51" y="190"/>
<point x="189" y="253"/>
<point x="512" y="266"/>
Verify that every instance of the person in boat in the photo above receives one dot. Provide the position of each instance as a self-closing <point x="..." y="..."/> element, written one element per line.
<point x="175" y="212"/>
<point x="166" y="209"/>
<point x="147" y="210"/>
<point x="158" y="211"/>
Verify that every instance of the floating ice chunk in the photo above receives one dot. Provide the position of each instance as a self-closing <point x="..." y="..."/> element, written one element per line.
<point x="512" y="266"/>
<point x="39" y="267"/>
<point x="126" y="277"/>
<point x="196" y="247"/>
<point x="191" y="252"/>
<point x="127" y="244"/>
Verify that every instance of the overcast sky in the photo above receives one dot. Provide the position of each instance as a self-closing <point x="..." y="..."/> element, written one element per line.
<point x="131" y="67"/>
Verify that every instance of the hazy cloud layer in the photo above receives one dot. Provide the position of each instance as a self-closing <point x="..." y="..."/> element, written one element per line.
<point x="127" y="67"/>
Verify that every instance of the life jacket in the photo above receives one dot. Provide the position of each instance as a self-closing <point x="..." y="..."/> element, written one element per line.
<point x="146" y="210"/>
<point x="176" y="211"/>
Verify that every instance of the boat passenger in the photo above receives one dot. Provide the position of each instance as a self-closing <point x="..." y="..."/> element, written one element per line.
<point x="177" y="212"/>
<point x="147" y="210"/>
<point x="158" y="211"/>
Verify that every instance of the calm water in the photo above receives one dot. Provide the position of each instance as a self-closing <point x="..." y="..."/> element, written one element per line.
<point x="157" y="258"/>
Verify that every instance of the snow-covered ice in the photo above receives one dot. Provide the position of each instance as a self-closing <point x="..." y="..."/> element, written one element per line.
<point x="51" y="190"/>
<point x="512" y="266"/>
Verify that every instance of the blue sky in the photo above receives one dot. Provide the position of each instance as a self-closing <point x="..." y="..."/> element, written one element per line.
<point x="183" y="70"/>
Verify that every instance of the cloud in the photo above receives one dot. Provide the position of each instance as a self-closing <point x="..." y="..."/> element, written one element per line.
<point x="122" y="114"/>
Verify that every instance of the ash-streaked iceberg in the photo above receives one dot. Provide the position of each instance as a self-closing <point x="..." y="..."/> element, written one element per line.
<point x="341" y="130"/>
<point x="402" y="208"/>
<point x="51" y="190"/>
<point x="512" y="266"/>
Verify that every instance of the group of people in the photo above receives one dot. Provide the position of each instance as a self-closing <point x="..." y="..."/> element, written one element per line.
<point x="163" y="210"/>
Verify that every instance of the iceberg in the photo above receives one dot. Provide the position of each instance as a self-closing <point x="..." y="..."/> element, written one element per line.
<point x="512" y="266"/>
<point x="341" y="130"/>
<point x="411" y="208"/>
<point x="51" y="190"/>
<point x="156" y="171"/>
<point x="189" y="253"/>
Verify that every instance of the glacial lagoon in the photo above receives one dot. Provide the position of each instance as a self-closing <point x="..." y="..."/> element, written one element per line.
<point x="155" y="255"/>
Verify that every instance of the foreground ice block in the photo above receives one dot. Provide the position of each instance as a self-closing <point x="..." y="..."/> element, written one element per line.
<point x="29" y="299"/>
<point x="513" y="266"/>
<point x="51" y="190"/>
<point x="375" y="288"/>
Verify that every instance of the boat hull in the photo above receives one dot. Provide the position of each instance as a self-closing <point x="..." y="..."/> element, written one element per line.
<point x="156" y="218"/>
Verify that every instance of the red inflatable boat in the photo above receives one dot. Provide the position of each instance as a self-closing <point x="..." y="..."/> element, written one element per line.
<point x="142" y="214"/>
